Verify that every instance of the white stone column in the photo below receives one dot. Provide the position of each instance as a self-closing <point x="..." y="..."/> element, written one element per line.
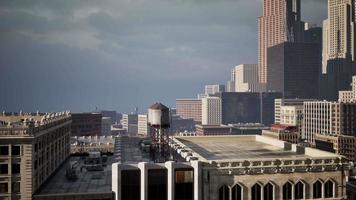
<point x="171" y="179"/>
<point x="116" y="181"/>
<point x="144" y="180"/>
<point x="197" y="180"/>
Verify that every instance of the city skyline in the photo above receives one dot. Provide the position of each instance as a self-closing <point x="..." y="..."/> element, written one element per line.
<point x="59" y="56"/>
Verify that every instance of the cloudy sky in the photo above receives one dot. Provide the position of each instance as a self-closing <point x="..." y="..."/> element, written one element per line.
<point x="119" y="54"/>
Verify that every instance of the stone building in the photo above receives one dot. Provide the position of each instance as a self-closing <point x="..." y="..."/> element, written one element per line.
<point x="32" y="147"/>
<point x="234" y="168"/>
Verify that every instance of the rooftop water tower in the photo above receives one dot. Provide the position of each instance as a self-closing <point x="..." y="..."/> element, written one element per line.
<point x="159" y="123"/>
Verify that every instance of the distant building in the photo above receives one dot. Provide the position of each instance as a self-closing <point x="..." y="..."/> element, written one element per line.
<point x="293" y="69"/>
<point x="230" y="86"/>
<point x="32" y="148"/>
<point x="86" y="124"/>
<point x="278" y="103"/>
<point x="292" y="116"/>
<point x="206" y="130"/>
<point x="246" y="78"/>
<point x="283" y="132"/>
<point x="129" y="122"/>
<point x="110" y="113"/>
<point x="248" y="107"/>
<point x="189" y="109"/>
<point x="213" y="89"/>
<point x="280" y="22"/>
<point x="143" y="128"/>
<point x="106" y="126"/>
<point x="211" y="111"/>
<point x="200" y="96"/>
<point x="179" y="124"/>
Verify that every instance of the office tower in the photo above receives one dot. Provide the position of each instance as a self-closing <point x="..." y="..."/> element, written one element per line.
<point x="106" y="125"/>
<point x="278" y="103"/>
<point x="211" y="111"/>
<point x="294" y="68"/>
<point x="86" y="124"/>
<point x="248" y="107"/>
<point x="143" y="128"/>
<point x="213" y="89"/>
<point x="230" y="86"/>
<point x="200" y="96"/>
<point x="339" y="48"/>
<point x="179" y="124"/>
<point x="229" y="168"/>
<point x="280" y="22"/>
<point x="129" y="123"/>
<point x="189" y="109"/>
<point x="246" y="78"/>
<point x="32" y="148"/>
<point x="110" y="113"/>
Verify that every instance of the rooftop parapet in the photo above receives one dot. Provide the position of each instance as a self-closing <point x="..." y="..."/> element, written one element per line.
<point x="27" y="125"/>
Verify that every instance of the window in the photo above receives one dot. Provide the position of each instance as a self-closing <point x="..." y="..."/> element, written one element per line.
<point x="256" y="192"/>
<point x="3" y="169"/>
<point x="237" y="192"/>
<point x="4" y="150"/>
<point x="268" y="192"/>
<point x="16" y="187"/>
<point x="287" y="191"/>
<point x="224" y="193"/>
<point x="329" y="189"/>
<point x="299" y="190"/>
<point x="317" y="190"/>
<point x="15" y="168"/>
<point x="15" y="150"/>
<point x="4" y="188"/>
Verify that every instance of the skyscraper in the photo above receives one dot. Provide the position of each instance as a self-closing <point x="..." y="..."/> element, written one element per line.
<point x="339" y="47"/>
<point x="279" y="23"/>
<point x="246" y="78"/>
<point x="211" y="111"/>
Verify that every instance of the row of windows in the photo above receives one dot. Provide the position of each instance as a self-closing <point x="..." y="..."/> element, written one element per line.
<point x="268" y="193"/>
<point x="4" y="187"/>
<point x="5" y="150"/>
<point x="4" y="169"/>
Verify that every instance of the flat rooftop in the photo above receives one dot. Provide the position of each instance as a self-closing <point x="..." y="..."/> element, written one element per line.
<point x="244" y="148"/>
<point x="127" y="150"/>
<point x="87" y="182"/>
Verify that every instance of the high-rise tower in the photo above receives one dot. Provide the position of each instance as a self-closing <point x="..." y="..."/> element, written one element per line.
<point x="279" y="23"/>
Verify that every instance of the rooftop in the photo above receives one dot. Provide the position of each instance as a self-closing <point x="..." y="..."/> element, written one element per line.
<point x="254" y="147"/>
<point x="87" y="182"/>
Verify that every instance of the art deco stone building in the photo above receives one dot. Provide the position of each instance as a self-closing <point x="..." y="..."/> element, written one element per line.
<point x="32" y="147"/>
<point x="231" y="168"/>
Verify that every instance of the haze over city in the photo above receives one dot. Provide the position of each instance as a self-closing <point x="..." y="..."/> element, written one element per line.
<point x="79" y="55"/>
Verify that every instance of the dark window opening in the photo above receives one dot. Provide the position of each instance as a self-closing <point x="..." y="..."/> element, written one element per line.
<point x="299" y="191"/>
<point x="268" y="192"/>
<point x="157" y="184"/>
<point x="184" y="184"/>
<point x="317" y="190"/>
<point x="16" y="187"/>
<point x="329" y="189"/>
<point x="15" y="150"/>
<point x="4" y="169"/>
<point x="15" y="168"/>
<point x="237" y="192"/>
<point x="4" y="150"/>
<point x="224" y="193"/>
<point x="131" y="184"/>
<point x="256" y="192"/>
<point x="287" y="191"/>
<point x="4" y="188"/>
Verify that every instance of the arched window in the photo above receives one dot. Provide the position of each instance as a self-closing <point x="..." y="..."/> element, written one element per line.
<point x="268" y="192"/>
<point x="287" y="191"/>
<point x="329" y="189"/>
<point x="299" y="190"/>
<point x="317" y="190"/>
<point x="224" y="193"/>
<point x="237" y="192"/>
<point x="256" y="192"/>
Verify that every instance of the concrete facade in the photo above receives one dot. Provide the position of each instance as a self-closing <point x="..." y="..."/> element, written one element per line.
<point x="189" y="109"/>
<point x="211" y="111"/>
<point x="246" y="78"/>
<point x="32" y="147"/>
<point x="86" y="124"/>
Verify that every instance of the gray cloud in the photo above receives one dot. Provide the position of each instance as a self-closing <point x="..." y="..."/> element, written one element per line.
<point x="78" y="54"/>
